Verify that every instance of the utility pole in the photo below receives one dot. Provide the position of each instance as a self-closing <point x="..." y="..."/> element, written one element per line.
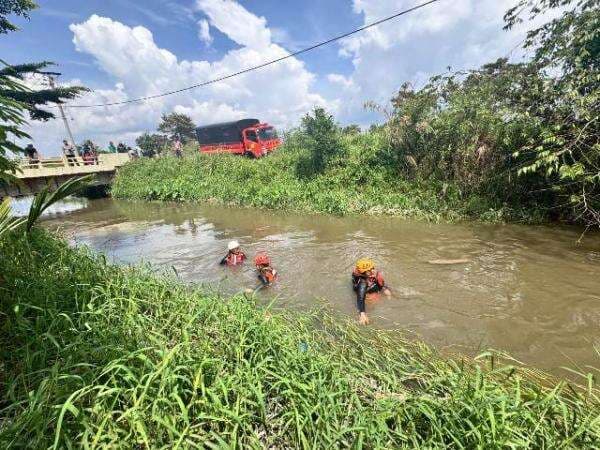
<point x="62" y="113"/>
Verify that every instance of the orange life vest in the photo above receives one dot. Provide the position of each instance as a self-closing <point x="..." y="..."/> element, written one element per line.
<point x="269" y="273"/>
<point x="376" y="279"/>
<point x="235" y="259"/>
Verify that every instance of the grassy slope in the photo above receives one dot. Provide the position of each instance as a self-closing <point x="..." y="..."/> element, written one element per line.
<point x="356" y="183"/>
<point x="97" y="356"/>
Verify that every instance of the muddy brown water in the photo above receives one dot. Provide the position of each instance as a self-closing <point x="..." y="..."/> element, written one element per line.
<point x="533" y="292"/>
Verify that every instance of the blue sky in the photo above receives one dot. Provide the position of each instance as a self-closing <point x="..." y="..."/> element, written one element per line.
<point x="123" y="49"/>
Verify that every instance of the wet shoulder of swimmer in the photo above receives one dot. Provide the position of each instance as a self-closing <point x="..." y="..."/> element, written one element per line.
<point x="265" y="271"/>
<point x="367" y="280"/>
<point x="235" y="256"/>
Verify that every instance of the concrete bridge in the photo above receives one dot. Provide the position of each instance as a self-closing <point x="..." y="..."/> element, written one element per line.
<point x="52" y="172"/>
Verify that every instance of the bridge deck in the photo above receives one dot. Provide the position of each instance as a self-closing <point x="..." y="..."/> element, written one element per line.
<point x="60" y="167"/>
<point x="50" y="173"/>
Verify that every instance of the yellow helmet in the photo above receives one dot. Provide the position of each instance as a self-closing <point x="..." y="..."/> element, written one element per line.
<point x="364" y="265"/>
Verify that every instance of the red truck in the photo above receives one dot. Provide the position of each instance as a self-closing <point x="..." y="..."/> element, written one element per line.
<point x="248" y="137"/>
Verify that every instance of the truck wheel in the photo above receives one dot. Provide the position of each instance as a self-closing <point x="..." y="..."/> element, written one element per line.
<point x="249" y="155"/>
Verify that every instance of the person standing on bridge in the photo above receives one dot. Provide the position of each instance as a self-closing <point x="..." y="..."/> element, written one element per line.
<point x="32" y="154"/>
<point x="69" y="152"/>
<point x="366" y="280"/>
<point x="111" y="147"/>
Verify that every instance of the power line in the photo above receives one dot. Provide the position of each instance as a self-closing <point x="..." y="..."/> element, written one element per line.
<point x="260" y="66"/>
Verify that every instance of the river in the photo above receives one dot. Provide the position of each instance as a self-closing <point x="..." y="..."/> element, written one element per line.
<point x="533" y="292"/>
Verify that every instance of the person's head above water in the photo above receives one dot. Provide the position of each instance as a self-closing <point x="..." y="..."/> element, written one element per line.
<point x="233" y="246"/>
<point x="365" y="266"/>
<point x="262" y="259"/>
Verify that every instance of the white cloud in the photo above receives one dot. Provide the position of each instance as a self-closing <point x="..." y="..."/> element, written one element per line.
<point x="341" y="80"/>
<point x="239" y="24"/>
<point x="280" y="93"/>
<point x="459" y="33"/>
<point x="204" y="32"/>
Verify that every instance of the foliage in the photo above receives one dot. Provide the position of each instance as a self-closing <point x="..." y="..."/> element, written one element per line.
<point x="177" y="126"/>
<point x="33" y="99"/>
<point x="152" y="144"/>
<point x="11" y="121"/>
<point x="44" y="199"/>
<point x="507" y="141"/>
<point x="319" y="136"/>
<point x="7" y="222"/>
<point x="95" y="356"/>
<point x="463" y="129"/>
<point x="16" y="99"/>
<point x="351" y="129"/>
<point x="567" y="147"/>
<point x="16" y="7"/>
<point x="356" y="181"/>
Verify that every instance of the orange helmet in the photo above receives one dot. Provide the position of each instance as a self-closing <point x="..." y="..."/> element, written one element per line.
<point x="364" y="265"/>
<point x="262" y="259"/>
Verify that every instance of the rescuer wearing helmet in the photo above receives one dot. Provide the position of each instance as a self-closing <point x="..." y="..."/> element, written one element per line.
<point x="266" y="274"/>
<point x="366" y="280"/>
<point x="235" y="256"/>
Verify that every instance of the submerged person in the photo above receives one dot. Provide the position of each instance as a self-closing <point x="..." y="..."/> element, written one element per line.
<point x="366" y="280"/>
<point x="235" y="255"/>
<point x="266" y="273"/>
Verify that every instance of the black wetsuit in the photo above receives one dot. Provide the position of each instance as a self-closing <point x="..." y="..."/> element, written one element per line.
<point x="363" y="286"/>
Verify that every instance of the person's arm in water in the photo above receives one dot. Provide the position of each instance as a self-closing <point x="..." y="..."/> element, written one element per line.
<point x="224" y="260"/>
<point x="361" y="295"/>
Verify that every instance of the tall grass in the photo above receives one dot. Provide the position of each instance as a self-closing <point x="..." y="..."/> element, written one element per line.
<point x="356" y="181"/>
<point x="95" y="356"/>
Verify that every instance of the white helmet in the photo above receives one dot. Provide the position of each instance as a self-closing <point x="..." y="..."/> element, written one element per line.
<point x="233" y="245"/>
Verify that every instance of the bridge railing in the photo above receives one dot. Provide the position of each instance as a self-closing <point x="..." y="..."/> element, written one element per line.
<point x="103" y="159"/>
<point x="51" y="163"/>
<point x="63" y="166"/>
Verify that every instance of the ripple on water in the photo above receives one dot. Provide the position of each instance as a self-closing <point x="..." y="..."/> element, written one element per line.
<point x="532" y="291"/>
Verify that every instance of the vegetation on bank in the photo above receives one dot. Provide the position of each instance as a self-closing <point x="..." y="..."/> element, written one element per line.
<point x="356" y="183"/>
<point x="94" y="355"/>
<point x="507" y="141"/>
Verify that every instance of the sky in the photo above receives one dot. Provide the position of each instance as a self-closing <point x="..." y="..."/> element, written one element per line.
<point x="124" y="49"/>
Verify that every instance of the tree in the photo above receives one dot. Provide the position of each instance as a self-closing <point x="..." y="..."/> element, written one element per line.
<point x="567" y="52"/>
<point x="151" y="144"/>
<point x="11" y="119"/>
<point x="178" y="126"/>
<point x="16" y="7"/>
<point x="34" y="99"/>
<point x="16" y="99"/>
<point x="351" y="129"/>
<point x="320" y="138"/>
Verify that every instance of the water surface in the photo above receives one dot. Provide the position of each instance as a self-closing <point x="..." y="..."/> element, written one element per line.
<point x="531" y="291"/>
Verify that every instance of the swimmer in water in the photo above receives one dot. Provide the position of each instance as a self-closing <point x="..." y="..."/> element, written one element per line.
<point x="235" y="255"/>
<point x="266" y="273"/>
<point x="366" y="280"/>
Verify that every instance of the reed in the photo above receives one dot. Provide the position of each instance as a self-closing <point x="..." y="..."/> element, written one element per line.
<point x="98" y="356"/>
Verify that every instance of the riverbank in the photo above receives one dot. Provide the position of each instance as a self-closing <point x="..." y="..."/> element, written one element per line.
<point x="356" y="183"/>
<point x="97" y="355"/>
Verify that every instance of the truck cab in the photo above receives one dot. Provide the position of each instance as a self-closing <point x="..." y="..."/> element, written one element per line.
<point x="248" y="137"/>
